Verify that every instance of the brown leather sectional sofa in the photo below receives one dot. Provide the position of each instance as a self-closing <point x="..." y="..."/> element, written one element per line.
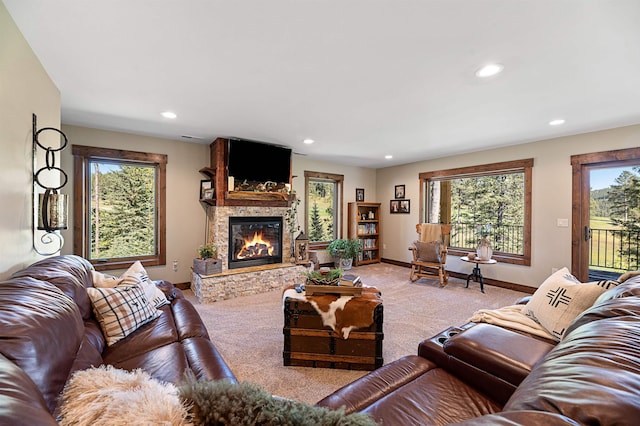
<point x="472" y="374"/>
<point x="45" y="336"/>
<point x="484" y="374"/>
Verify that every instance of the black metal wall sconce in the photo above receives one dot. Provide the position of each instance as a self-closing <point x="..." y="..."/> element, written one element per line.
<point x="50" y="208"/>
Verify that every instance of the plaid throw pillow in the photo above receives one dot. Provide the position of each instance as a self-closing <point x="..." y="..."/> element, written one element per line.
<point x="135" y="275"/>
<point x="121" y="310"/>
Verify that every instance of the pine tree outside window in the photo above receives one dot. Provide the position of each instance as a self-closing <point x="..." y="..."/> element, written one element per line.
<point x="323" y="196"/>
<point x="121" y="208"/>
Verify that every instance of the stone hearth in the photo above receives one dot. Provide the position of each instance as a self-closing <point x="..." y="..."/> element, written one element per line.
<point x="243" y="281"/>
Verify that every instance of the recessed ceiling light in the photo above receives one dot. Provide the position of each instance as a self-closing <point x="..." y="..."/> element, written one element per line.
<point x="556" y="122"/>
<point x="308" y="141"/>
<point x="169" y="114"/>
<point x="489" y="70"/>
<point x="388" y="157"/>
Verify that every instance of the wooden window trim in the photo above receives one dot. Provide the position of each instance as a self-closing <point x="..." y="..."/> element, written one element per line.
<point x="81" y="157"/>
<point x="339" y="179"/>
<point x="525" y="166"/>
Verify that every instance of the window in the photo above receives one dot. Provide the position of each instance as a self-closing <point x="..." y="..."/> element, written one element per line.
<point x="493" y="199"/>
<point x="323" y="205"/>
<point x="119" y="209"/>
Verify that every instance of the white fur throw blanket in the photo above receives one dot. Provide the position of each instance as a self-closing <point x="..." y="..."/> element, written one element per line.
<point x="511" y="317"/>
<point x="107" y="396"/>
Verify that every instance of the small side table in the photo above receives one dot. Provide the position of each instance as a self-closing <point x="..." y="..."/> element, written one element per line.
<point x="476" y="274"/>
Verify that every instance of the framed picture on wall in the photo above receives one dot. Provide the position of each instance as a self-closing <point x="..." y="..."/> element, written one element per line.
<point x="359" y="194"/>
<point x="205" y="185"/>
<point x="405" y="206"/>
<point x="394" y="207"/>
<point x="399" y="191"/>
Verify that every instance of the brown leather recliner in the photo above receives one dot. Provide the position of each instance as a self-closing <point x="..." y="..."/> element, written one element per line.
<point x="48" y="331"/>
<point x="485" y="374"/>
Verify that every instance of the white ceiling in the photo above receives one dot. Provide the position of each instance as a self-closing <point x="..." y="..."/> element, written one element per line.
<point x="363" y="78"/>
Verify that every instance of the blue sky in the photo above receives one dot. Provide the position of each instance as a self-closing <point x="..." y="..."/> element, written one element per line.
<point x="604" y="178"/>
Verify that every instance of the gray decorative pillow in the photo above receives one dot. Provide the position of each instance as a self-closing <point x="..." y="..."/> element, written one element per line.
<point x="429" y="251"/>
<point x="561" y="298"/>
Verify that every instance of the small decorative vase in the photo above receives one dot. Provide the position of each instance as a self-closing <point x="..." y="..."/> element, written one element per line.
<point x="484" y="250"/>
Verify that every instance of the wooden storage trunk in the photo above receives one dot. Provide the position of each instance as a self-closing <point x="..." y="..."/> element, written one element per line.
<point x="308" y="343"/>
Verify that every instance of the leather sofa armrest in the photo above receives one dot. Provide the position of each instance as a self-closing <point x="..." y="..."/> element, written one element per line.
<point x="20" y="399"/>
<point x="503" y="353"/>
<point x="524" y="417"/>
<point x="375" y="385"/>
<point x="167" y="288"/>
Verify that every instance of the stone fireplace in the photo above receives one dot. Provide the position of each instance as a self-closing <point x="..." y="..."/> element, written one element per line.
<point x="241" y="277"/>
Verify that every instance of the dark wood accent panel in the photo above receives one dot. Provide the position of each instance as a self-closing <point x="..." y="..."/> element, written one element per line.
<point x="109" y="154"/>
<point x="482" y="169"/>
<point x="219" y="154"/>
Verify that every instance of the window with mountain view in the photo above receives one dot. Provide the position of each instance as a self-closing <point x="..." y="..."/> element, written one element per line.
<point x="492" y="200"/>
<point x="323" y="197"/>
<point x="121" y="213"/>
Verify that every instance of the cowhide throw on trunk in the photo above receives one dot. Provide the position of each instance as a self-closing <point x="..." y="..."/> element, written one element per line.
<point x="342" y="313"/>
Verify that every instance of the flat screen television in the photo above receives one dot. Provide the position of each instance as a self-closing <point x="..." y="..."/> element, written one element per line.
<point x="258" y="161"/>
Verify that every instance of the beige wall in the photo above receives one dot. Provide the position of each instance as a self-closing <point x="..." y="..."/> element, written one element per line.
<point x="354" y="177"/>
<point x="551" y="245"/>
<point x="185" y="214"/>
<point x="25" y="89"/>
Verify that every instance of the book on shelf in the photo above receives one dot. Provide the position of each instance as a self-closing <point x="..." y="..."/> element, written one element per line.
<point x="367" y="228"/>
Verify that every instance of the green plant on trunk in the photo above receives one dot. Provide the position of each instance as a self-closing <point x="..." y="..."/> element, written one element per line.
<point x="208" y="251"/>
<point x="345" y="248"/>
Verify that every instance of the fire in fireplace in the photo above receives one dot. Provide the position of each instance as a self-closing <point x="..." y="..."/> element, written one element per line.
<point x="254" y="241"/>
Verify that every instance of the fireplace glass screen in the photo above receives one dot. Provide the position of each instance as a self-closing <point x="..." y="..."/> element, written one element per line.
<point x="254" y="241"/>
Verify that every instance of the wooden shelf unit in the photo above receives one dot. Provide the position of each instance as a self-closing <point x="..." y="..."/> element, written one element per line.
<point x="211" y="174"/>
<point x="366" y="229"/>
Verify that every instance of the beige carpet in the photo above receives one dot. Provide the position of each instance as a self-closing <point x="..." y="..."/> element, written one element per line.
<point x="248" y="330"/>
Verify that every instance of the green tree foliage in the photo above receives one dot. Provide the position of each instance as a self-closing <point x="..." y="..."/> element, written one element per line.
<point x="600" y="204"/>
<point x="491" y="203"/>
<point x="125" y="224"/>
<point x="317" y="230"/>
<point x="624" y="199"/>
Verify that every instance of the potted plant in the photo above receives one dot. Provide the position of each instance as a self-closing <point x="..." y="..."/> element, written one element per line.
<point x="344" y="251"/>
<point x="208" y="262"/>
